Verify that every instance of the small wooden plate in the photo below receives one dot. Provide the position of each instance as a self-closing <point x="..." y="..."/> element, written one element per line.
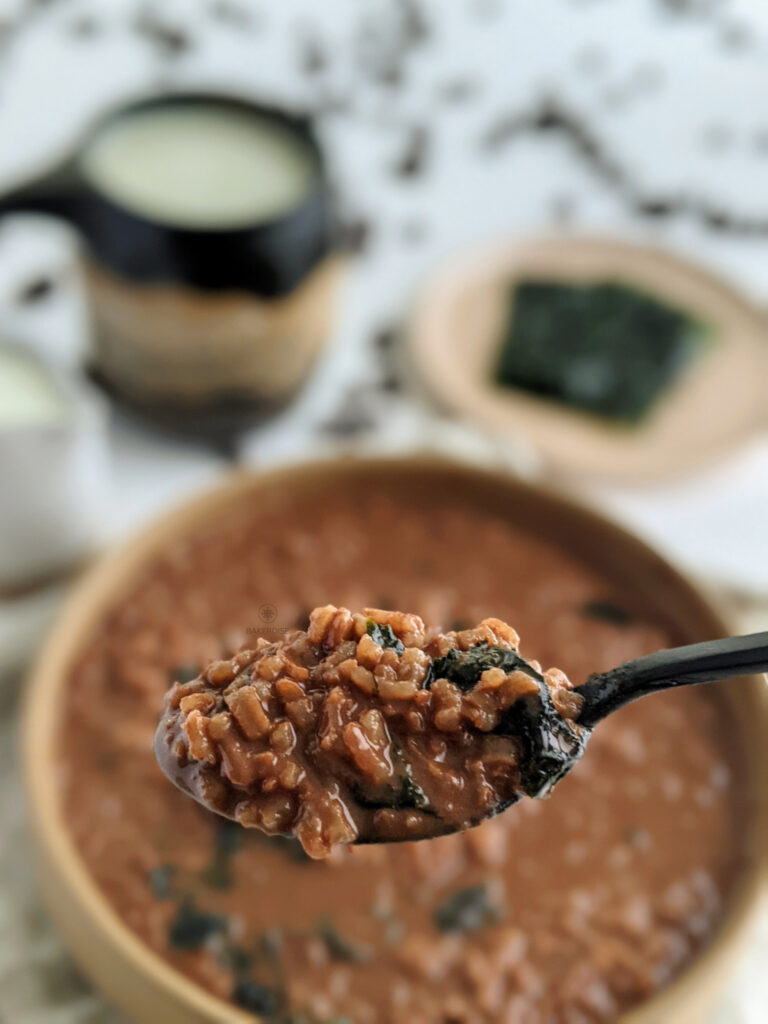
<point x="718" y="401"/>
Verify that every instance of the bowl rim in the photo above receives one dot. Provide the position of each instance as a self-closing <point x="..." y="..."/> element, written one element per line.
<point x="115" y="570"/>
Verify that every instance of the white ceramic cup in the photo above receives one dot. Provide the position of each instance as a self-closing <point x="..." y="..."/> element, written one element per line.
<point x="53" y="477"/>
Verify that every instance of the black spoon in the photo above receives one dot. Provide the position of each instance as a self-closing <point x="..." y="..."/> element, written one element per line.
<point x="545" y="744"/>
<point x="551" y="745"/>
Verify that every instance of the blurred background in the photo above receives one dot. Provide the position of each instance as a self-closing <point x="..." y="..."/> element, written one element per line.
<point x="439" y="127"/>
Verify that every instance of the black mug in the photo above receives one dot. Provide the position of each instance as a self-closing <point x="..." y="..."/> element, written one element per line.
<point x="204" y="328"/>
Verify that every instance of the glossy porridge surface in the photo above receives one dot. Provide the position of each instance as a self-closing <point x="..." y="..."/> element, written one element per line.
<point x="565" y="911"/>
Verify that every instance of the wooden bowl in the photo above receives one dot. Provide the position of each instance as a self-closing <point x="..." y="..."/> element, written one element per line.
<point x="139" y="981"/>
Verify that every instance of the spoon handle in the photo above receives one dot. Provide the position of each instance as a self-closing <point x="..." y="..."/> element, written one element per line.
<point x="707" y="662"/>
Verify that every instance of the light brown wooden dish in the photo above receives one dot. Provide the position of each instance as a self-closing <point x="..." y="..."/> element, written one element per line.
<point x="718" y="401"/>
<point x="137" y="980"/>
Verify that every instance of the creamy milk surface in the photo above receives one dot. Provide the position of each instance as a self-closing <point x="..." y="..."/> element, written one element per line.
<point x="28" y="395"/>
<point x="201" y="166"/>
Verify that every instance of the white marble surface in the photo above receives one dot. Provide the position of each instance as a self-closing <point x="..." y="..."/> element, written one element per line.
<point x="672" y="91"/>
<point x="665" y="94"/>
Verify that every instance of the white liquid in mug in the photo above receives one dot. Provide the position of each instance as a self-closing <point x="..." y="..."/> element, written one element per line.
<point x="201" y="167"/>
<point x="28" y="395"/>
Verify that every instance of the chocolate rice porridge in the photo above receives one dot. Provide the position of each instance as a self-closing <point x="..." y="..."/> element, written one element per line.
<point x="368" y="727"/>
<point x="564" y="911"/>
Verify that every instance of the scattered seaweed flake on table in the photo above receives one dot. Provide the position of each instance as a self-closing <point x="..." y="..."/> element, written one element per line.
<point x="313" y="57"/>
<point x="356" y="234"/>
<point x="604" y="348"/>
<point x="415" y="155"/>
<point x="385" y="342"/>
<point x="235" y="15"/>
<point x="352" y="419"/>
<point x="37" y="289"/>
<point x="169" y="40"/>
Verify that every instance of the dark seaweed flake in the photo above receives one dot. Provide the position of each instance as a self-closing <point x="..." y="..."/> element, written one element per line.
<point x="256" y="998"/>
<point x="238" y="960"/>
<point x="161" y="881"/>
<point x="413" y="160"/>
<point x="604" y="348"/>
<point x="407" y="795"/>
<point x="466" y="910"/>
<point x="655" y="208"/>
<point x="191" y="928"/>
<point x="464" y="668"/>
<point x="36" y="290"/>
<point x="548" y="747"/>
<point x="392" y="383"/>
<point x="313" y="59"/>
<point x="356" y="234"/>
<point x="341" y="948"/>
<point x="384" y="636"/>
<point x="416" y="27"/>
<point x="717" y="219"/>
<point x="170" y="40"/>
<point x="350" y="421"/>
<point x="385" y="340"/>
<point x="412" y="795"/>
<point x="552" y="116"/>
<point x="608" y="611"/>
